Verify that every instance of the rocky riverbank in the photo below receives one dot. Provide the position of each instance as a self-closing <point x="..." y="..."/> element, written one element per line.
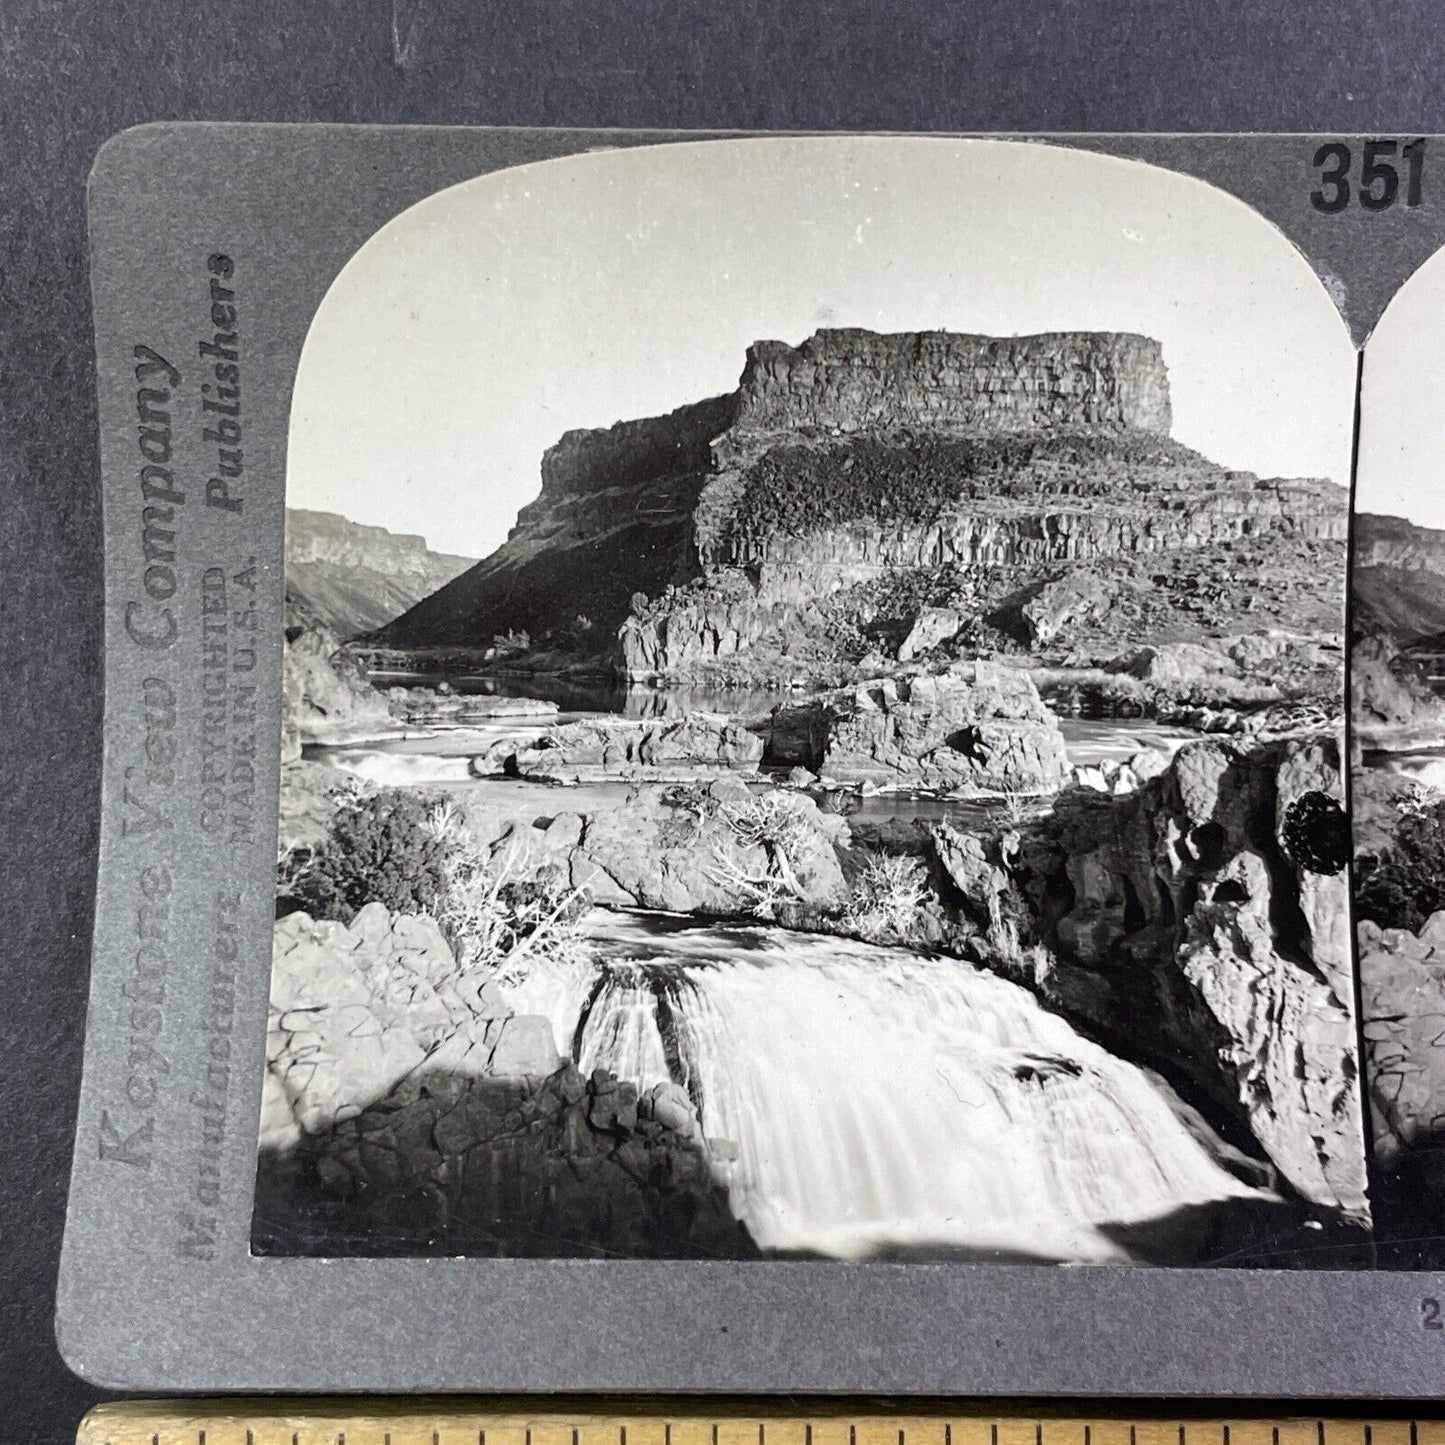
<point x="1201" y="922"/>
<point x="408" y="1110"/>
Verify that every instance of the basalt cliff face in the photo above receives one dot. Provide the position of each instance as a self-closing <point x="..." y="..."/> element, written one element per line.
<point x="1202" y="921"/>
<point x="354" y="578"/>
<point x="850" y="479"/>
<point x="854" y="380"/>
<point x="1398" y="579"/>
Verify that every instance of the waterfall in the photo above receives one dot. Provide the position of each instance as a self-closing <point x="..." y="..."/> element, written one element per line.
<point x="880" y="1100"/>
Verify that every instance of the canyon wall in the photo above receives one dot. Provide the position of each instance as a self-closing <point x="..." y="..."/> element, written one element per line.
<point x="1202" y="922"/>
<point x="1398" y="580"/>
<point x="680" y="540"/>
<point x="613" y="518"/>
<point x="355" y="578"/>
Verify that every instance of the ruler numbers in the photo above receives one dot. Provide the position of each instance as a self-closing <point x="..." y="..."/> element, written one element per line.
<point x="1389" y="172"/>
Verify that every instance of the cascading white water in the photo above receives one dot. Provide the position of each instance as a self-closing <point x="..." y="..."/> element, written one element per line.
<point x="879" y="1100"/>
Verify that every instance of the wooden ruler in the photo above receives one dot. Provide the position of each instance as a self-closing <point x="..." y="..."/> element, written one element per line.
<point x="343" y="1422"/>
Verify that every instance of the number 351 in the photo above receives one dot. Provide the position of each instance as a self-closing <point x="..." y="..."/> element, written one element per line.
<point x="1379" y="185"/>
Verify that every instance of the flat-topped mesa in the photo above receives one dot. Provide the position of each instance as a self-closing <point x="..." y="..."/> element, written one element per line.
<point x="330" y="537"/>
<point x="852" y="380"/>
<point x="668" y="543"/>
<point x="355" y="578"/>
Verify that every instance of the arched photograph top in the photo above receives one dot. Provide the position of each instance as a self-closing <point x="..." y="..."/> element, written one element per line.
<point x="814" y="688"/>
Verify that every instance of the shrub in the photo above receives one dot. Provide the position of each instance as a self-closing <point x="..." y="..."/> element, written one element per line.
<point x="888" y="894"/>
<point x="379" y="850"/>
<point x="1403" y="887"/>
<point x="414" y="854"/>
<point x="774" y="823"/>
<point x="497" y="913"/>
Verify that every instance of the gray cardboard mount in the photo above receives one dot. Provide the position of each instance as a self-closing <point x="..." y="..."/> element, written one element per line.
<point x="158" y="1289"/>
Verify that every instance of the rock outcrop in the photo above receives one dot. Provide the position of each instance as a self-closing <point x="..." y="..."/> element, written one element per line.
<point x="854" y="380"/>
<point x="717" y="848"/>
<point x="1391" y="706"/>
<point x="326" y="696"/>
<point x="1402" y="995"/>
<point x="559" y="1167"/>
<point x="405" y="1111"/>
<point x="710" y="533"/>
<point x="975" y="728"/>
<point x="623" y="749"/>
<point x="1203" y="921"/>
<point x="1060" y="605"/>
<point x="355" y="578"/>
<point x="357" y="1008"/>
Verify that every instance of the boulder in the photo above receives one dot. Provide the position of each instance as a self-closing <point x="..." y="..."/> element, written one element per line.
<point x="975" y="728"/>
<point x="656" y="750"/>
<point x="355" y="1009"/>
<point x="1058" y="605"/>
<point x="932" y="626"/>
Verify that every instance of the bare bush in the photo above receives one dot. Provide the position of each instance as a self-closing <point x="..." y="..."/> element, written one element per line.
<point x="773" y="823"/>
<point x="499" y="912"/>
<point x="888" y="894"/>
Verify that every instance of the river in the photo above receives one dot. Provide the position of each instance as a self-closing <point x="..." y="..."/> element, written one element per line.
<point x="879" y="1102"/>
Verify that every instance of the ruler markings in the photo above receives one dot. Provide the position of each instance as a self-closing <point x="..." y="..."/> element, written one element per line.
<point x="392" y="1423"/>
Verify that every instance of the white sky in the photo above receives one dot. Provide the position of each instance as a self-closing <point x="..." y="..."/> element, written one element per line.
<point x="1402" y="404"/>
<point x="474" y="329"/>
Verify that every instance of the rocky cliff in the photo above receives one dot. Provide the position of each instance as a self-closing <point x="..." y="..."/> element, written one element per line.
<point x="1397" y="579"/>
<point x="854" y="380"/>
<point x="807" y="514"/>
<point x="612" y="519"/>
<point x="1202" y="923"/>
<point x="355" y="578"/>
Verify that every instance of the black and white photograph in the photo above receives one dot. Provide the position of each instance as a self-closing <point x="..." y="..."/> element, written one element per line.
<point x="1397" y="696"/>
<point x="814" y="724"/>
